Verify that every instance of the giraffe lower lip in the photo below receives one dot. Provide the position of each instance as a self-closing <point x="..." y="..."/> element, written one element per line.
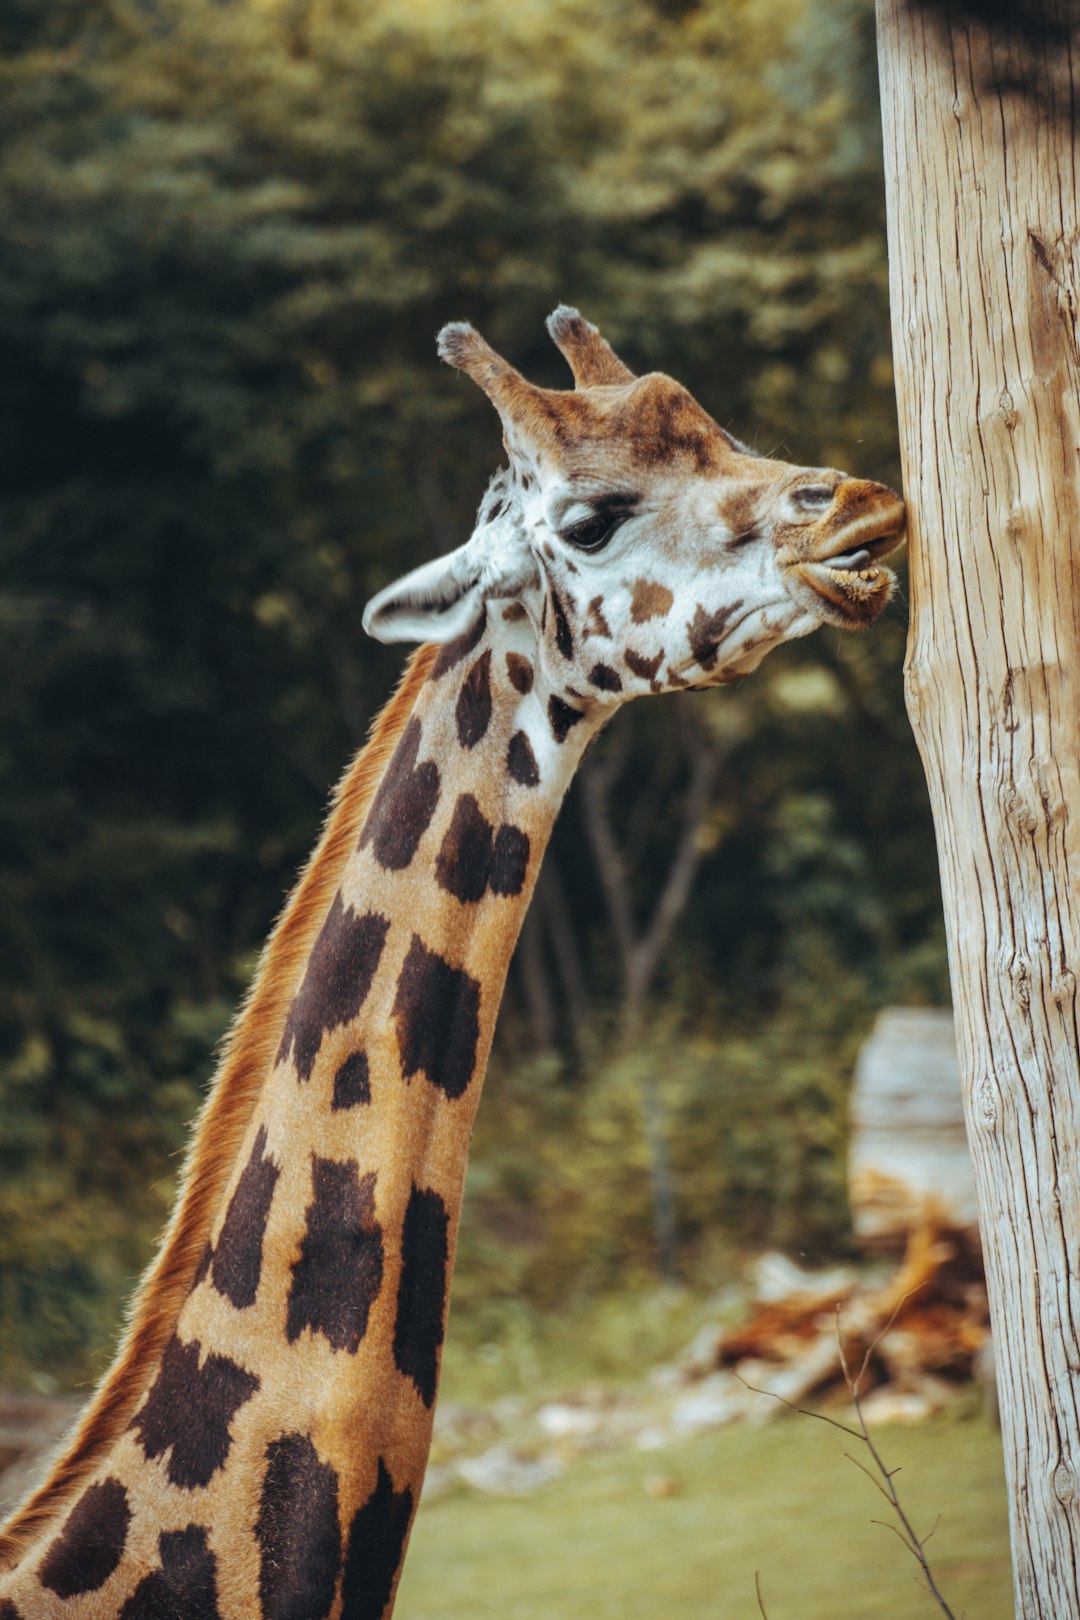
<point x="854" y="596"/>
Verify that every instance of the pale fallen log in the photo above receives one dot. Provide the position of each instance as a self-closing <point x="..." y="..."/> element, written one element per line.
<point x="909" y="1162"/>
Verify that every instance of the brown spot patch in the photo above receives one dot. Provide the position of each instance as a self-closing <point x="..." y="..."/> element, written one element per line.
<point x="237" y="1263"/>
<point x="376" y="1542"/>
<point x="650" y="601"/>
<point x="437" y="1012"/>
<point x="297" y="1531"/>
<point x="595" y="623"/>
<point x="91" y="1544"/>
<point x="421" y="1303"/>
<point x="189" y="1410"/>
<point x="739" y="513"/>
<point x="454" y="651"/>
<point x="564" y="638"/>
<point x="664" y="422"/>
<point x="338" y="1274"/>
<point x="645" y="668"/>
<point x="352" y="1083"/>
<point x="473" y="855"/>
<point x="513" y="612"/>
<point x="404" y="804"/>
<point x="186" y="1583"/>
<point x="473" y="709"/>
<point x="562" y="718"/>
<point x="510" y="860"/>
<point x="707" y="632"/>
<point x="464" y="861"/>
<point x="521" y="761"/>
<point x="336" y="983"/>
<point x="520" y="672"/>
<point x="606" y="678"/>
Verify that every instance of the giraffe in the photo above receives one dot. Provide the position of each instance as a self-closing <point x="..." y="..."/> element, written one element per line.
<point x="257" y="1449"/>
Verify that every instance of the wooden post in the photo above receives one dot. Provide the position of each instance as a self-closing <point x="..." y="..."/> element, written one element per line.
<point x="985" y="284"/>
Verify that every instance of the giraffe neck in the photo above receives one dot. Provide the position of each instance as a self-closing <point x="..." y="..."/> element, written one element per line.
<point x="276" y="1462"/>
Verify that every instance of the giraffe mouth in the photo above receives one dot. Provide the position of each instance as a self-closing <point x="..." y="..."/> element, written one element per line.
<point x="849" y="578"/>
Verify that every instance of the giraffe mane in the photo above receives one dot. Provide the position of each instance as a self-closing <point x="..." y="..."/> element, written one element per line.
<point x="246" y="1058"/>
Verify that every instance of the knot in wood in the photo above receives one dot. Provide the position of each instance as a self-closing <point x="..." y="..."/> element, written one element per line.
<point x="985" y="1103"/>
<point x="1045" y="777"/>
<point x="1007" y="408"/>
<point x="1019" y="971"/>
<point x="914" y="685"/>
<point x="1064" y="1483"/>
<point x="1018" y="526"/>
<point x="1020" y="810"/>
<point x="1008" y="704"/>
<point x="1063" y="987"/>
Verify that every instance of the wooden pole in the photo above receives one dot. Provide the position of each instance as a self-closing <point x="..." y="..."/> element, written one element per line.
<point x="985" y="285"/>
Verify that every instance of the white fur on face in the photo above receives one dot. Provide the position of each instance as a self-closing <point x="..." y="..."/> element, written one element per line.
<point x="674" y="598"/>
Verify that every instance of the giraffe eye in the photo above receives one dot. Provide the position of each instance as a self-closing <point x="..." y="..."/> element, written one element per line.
<point x="591" y="534"/>
<point x="604" y="515"/>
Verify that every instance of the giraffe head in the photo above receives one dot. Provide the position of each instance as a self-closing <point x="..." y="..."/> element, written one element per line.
<point x="648" y="549"/>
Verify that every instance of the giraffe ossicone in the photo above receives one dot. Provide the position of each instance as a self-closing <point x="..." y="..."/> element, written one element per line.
<point x="258" y="1448"/>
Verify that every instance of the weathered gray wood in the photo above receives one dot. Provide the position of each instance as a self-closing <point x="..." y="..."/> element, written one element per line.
<point x="985" y="281"/>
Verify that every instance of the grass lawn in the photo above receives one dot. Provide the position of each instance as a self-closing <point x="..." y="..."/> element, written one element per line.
<point x="780" y="1499"/>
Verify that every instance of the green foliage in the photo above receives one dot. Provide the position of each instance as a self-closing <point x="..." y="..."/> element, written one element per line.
<point x="230" y="234"/>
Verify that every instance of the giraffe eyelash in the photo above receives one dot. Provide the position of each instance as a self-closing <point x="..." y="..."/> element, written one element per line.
<point x="604" y="516"/>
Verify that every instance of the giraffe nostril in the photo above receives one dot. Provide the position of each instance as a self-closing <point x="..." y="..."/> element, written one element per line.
<point x="815" y="497"/>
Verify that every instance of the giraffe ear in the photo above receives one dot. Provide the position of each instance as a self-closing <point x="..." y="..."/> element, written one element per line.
<point x="591" y="357"/>
<point x="435" y="602"/>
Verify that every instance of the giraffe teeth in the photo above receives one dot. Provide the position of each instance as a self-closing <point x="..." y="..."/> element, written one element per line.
<point x="857" y="594"/>
<point x="869" y="575"/>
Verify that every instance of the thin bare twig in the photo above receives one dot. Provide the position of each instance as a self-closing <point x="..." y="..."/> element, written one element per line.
<point x="915" y="1543"/>
<point x="864" y="1470"/>
<point x="883" y="1479"/>
<point x="803" y="1411"/>
<point x="760" y="1599"/>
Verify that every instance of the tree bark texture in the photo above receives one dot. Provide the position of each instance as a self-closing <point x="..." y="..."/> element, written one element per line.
<point x="985" y="280"/>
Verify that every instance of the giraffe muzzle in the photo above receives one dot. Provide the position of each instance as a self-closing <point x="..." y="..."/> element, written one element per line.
<point x="846" y="569"/>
